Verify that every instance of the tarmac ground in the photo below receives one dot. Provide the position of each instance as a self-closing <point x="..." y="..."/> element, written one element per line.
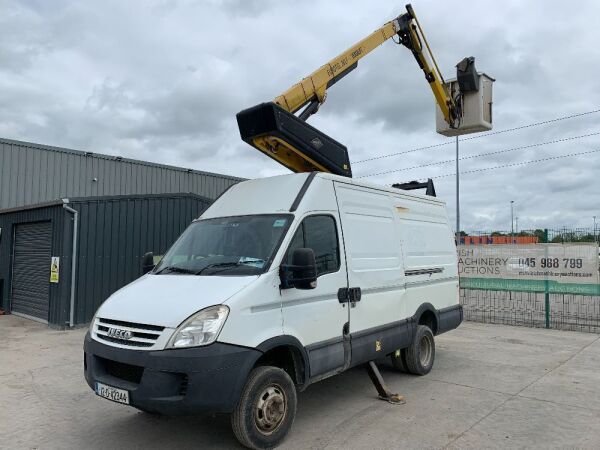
<point x="492" y="386"/>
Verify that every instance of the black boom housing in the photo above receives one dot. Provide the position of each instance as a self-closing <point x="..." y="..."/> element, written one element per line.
<point x="269" y="119"/>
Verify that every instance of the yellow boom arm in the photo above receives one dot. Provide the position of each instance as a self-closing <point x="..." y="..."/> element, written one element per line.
<point x="275" y="130"/>
<point x="314" y="87"/>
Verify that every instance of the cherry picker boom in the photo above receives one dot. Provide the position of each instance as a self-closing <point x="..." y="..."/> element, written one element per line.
<point x="274" y="129"/>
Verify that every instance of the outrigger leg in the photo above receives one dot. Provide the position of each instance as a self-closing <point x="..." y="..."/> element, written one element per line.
<point x="382" y="389"/>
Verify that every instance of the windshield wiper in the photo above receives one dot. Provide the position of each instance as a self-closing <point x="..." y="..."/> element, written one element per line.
<point x="227" y="265"/>
<point x="221" y="264"/>
<point x="175" y="269"/>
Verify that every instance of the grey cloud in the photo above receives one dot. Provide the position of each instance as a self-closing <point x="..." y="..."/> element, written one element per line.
<point x="246" y="8"/>
<point x="163" y="81"/>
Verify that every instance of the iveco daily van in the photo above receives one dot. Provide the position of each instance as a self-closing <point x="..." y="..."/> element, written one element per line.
<point x="282" y="282"/>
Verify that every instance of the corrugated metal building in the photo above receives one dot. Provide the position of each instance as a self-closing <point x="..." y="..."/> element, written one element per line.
<point x="34" y="173"/>
<point x="124" y="207"/>
<point x="112" y="235"/>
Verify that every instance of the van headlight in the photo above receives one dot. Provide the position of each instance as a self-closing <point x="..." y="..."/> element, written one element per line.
<point x="202" y="328"/>
<point x="91" y="329"/>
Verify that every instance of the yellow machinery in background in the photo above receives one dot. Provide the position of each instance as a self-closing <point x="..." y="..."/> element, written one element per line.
<point x="274" y="129"/>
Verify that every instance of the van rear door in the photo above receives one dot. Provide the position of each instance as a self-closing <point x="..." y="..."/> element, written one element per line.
<point x="375" y="265"/>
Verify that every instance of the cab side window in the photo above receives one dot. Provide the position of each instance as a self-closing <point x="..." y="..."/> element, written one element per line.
<point x="320" y="234"/>
<point x="297" y="242"/>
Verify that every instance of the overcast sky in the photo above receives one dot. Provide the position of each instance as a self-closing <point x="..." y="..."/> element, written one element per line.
<point x="162" y="81"/>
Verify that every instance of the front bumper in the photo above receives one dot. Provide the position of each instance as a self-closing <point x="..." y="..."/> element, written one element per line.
<point x="173" y="382"/>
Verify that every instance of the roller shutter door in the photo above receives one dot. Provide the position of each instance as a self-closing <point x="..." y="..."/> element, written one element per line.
<point x="30" y="287"/>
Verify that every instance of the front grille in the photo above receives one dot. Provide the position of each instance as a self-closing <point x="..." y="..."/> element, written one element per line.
<point x="123" y="371"/>
<point x="151" y="336"/>
<point x="122" y="342"/>
<point x="121" y="323"/>
<point x="141" y="335"/>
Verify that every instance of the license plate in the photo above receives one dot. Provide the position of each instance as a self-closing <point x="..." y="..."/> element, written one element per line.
<point x="112" y="393"/>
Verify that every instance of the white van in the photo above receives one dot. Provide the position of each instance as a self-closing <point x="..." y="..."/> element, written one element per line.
<point x="282" y="282"/>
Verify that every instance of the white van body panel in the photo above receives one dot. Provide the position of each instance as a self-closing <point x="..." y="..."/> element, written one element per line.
<point x="427" y="243"/>
<point x="261" y="196"/>
<point x="316" y="316"/>
<point x="168" y="300"/>
<point x="319" y="196"/>
<point x="254" y="313"/>
<point x="374" y="255"/>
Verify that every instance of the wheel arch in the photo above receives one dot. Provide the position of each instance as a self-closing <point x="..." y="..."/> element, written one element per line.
<point x="283" y="351"/>
<point x="428" y="315"/>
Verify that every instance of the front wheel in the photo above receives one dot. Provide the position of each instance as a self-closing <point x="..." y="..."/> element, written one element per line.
<point x="148" y="411"/>
<point x="266" y="410"/>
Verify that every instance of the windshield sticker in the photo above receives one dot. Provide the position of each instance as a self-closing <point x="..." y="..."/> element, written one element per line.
<point x="279" y="223"/>
<point x="254" y="262"/>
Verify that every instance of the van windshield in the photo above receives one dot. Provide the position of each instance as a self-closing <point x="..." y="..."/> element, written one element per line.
<point x="241" y="245"/>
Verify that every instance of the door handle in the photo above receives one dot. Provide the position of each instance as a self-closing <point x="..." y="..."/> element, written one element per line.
<point x="355" y="294"/>
<point x="349" y="295"/>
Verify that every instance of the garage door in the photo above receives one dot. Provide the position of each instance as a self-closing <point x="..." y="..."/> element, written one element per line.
<point x="30" y="287"/>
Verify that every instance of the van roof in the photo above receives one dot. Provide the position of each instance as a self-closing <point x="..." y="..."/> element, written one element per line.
<point x="276" y="195"/>
<point x="379" y="187"/>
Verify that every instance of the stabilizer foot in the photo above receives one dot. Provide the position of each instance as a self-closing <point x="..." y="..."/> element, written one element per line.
<point x="382" y="389"/>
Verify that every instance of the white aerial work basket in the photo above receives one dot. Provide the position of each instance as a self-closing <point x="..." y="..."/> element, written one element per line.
<point x="473" y="93"/>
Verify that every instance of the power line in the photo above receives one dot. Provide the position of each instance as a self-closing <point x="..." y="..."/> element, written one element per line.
<point x="479" y="136"/>
<point x="536" y="124"/>
<point x="523" y="163"/>
<point x="497" y="152"/>
<point x="402" y="153"/>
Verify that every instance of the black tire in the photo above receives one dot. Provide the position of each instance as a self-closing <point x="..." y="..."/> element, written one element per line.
<point x="399" y="360"/>
<point x="265" y="412"/>
<point x="421" y="353"/>
<point x="147" y="411"/>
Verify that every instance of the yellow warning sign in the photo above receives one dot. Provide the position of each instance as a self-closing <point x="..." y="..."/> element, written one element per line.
<point x="54" y="269"/>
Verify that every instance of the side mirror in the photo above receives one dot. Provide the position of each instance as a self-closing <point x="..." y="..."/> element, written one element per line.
<point x="147" y="262"/>
<point x="303" y="270"/>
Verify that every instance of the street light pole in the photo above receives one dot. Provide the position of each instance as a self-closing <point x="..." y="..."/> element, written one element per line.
<point x="512" y="223"/>
<point x="595" y="229"/>
<point x="457" y="197"/>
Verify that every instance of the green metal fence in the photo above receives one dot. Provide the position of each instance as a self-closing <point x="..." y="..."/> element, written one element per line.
<point x="575" y="312"/>
<point x="532" y="309"/>
<point x="544" y="235"/>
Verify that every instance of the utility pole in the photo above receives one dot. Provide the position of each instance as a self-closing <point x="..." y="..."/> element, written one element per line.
<point x="595" y="229"/>
<point x="457" y="197"/>
<point x="512" y="223"/>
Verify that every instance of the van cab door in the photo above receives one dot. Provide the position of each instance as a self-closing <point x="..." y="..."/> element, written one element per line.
<point x="316" y="316"/>
<point x="376" y="279"/>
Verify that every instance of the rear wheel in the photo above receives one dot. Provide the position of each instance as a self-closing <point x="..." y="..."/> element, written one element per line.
<point x="266" y="410"/>
<point x="421" y="352"/>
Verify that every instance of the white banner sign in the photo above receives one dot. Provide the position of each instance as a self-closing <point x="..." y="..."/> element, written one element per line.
<point x="528" y="267"/>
